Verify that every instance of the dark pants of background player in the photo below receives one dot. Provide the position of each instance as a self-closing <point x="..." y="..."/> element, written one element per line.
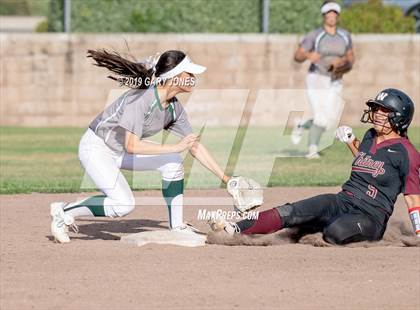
<point x="340" y="220"/>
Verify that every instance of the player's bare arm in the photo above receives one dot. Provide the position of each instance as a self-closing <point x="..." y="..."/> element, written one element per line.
<point x="200" y="152"/>
<point x="350" y="56"/>
<point x="413" y="205"/>
<point x="354" y="146"/>
<point x="134" y="145"/>
<point x="301" y="55"/>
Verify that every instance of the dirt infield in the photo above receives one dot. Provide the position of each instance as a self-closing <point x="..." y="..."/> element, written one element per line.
<point x="96" y="271"/>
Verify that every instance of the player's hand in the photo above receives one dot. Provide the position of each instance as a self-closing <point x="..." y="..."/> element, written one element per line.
<point x="187" y="142"/>
<point x="336" y="63"/>
<point x="313" y="57"/>
<point x="225" y="179"/>
<point x="345" y="134"/>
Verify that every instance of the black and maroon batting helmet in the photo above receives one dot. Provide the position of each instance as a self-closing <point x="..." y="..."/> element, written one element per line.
<point x="400" y="105"/>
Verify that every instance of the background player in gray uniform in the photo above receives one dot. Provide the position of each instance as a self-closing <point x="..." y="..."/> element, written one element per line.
<point x="329" y="49"/>
<point x="115" y="140"/>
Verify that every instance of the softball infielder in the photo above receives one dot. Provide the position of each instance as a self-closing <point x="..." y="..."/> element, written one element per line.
<point x="385" y="165"/>
<point x="329" y="49"/>
<point x="115" y="140"/>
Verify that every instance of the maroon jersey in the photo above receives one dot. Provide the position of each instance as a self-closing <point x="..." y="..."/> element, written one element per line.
<point x="382" y="171"/>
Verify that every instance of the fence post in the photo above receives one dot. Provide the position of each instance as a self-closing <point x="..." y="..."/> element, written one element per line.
<point x="265" y="16"/>
<point x="67" y="16"/>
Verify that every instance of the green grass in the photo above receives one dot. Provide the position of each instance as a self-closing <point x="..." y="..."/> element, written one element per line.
<point x="45" y="160"/>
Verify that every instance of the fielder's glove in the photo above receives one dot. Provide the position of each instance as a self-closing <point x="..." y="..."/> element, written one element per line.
<point x="339" y="69"/>
<point x="247" y="193"/>
<point x="344" y="134"/>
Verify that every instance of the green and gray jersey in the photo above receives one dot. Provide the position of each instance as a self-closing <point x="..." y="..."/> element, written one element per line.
<point x="330" y="47"/>
<point x="140" y="112"/>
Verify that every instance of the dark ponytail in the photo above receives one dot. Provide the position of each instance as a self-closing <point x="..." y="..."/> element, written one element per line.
<point x="126" y="70"/>
<point x="134" y="74"/>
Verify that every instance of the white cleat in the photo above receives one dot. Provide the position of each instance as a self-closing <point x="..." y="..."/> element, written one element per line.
<point x="313" y="152"/>
<point x="312" y="156"/>
<point x="297" y="132"/>
<point x="61" y="222"/>
<point x="186" y="228"/>
<point x="220" y="224"/>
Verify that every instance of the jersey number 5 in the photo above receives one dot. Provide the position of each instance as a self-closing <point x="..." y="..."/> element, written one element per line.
<point x="372" y="191"/>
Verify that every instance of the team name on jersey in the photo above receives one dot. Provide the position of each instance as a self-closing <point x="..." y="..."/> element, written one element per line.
<point x="364" y="163"/>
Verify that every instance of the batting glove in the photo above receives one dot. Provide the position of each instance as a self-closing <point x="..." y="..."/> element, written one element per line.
<point x="344" y="134"/>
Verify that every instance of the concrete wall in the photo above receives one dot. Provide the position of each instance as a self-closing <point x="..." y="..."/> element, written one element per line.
<point x="46" y="80"/>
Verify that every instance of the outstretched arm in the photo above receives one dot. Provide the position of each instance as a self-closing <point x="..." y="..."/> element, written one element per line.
<point x="134" y="145"/>
<point x="206" y="159"/>
<point x="413" y="205"/>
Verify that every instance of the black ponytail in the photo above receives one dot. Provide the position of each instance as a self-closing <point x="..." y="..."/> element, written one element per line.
<point x="126" y="70"/>
<point x="134" y="74"/>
